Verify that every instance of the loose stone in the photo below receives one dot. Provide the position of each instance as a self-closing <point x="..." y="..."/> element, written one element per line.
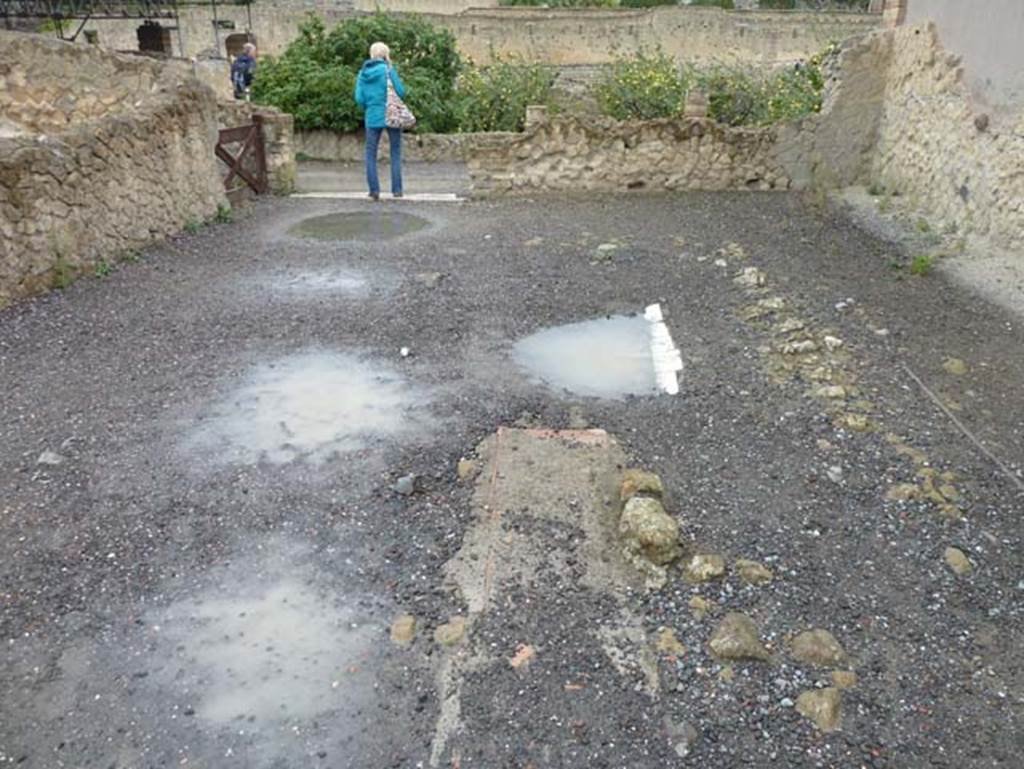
<point x="704" y="567"/>
<point x="667" y="643"/>
<point x="452" y="632"/>
<point x="823" y="707"/>
<point x="817" y="647"/>
<point x="955" y="366"/>
<point x="958" y="561"/>
<point x="648" y="531"/>
<point x="466" y="469"/>
<point x="636" y="481"/>
<point x="736" y="638"/>
<point x="403" y="629"/>
<point x="700" y="607"/>
<point x="752" y="572"/>
<point x="844" y="679"/>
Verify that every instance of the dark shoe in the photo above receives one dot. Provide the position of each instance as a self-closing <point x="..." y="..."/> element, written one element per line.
<point x="398" y="195"/>
<point x="374" y="195"/>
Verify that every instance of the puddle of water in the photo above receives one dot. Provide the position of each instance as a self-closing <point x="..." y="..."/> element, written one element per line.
<point x="310" y="407"/>
<point x="272" y="654"/>
<point x="360" y="225"/>
<point x="605" y="358"/>
<point x="334" y="281"/>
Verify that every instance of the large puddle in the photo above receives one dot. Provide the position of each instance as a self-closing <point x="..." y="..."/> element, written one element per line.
<point x="604" y="358"/>
<point x="267" y="652"/>
<point x="359" y="225"/>
<point x="310" y="407"/>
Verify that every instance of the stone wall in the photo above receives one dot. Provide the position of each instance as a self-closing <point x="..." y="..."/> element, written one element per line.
<point x="696" y="35"/>
<point x="416" y="148"/>
<point x="573" y="154"/>
<point x="102" y="187"/>
<point x="835" y="148"/>
<point x="943" y="153"/>
<point x="562" y="37"/>
<point x="104" y="154"/>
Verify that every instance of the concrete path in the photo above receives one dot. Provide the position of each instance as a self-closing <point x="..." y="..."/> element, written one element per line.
<point x="228" y="467"/>
<point x="422" y="181"/>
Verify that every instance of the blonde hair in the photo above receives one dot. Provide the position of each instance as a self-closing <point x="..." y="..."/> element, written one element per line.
<point x="380" y="51"/>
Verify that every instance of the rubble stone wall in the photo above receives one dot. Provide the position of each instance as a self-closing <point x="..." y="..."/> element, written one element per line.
<point x="573" y="154"/>
<point x="416" y="148"/>
<point x="107" y="153"/>
<point x="958" y="167"/>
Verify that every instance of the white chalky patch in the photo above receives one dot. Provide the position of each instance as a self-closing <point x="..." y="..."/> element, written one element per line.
<point x="667" y="360"/>
<point x="309" y="407"/>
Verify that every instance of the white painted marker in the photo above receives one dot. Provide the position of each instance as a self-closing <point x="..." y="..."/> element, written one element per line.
<point x="667" y="359"/>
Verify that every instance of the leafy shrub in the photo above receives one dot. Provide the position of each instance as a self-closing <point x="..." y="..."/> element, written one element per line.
<point x="495" y="97"/>
<point x="739" y="97"/>
<point x="727" y="4"/>
<point x="642" y="87"/>
<point x="314" y="79"/>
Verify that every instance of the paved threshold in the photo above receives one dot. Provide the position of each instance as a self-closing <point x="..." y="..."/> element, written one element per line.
<point x="423" y="197"/>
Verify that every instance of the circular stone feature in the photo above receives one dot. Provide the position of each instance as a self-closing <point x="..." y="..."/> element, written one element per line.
<point x="359" y="225"/>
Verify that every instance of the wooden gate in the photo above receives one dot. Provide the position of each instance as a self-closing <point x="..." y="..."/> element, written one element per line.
<point x="241" y="150"/>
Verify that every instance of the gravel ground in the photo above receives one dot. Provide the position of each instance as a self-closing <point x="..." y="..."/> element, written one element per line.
<point x="191" y="578"/>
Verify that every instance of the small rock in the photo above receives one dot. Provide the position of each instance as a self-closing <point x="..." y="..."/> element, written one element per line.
<point x="955" y="366"/>
<point x="750" y="277"/>
<point x="958" y="561"/>
<point x="822" y="706"/>
<point x="405" y="485"/>
<point x="466" y="469"/>
<point x="636" y="481"/>
<point x="404" y="352"/>
<point x="682" y="735"/>
<point x="844" y="679"/>
<point x="835" y="474"/>
<point x="817" y="647"/>
<point x="903" y="492"/>
<point x="701" y="607"/>
<point x="50" y="458"/>
<point x="753" y="573"/>
<point x="452" y="632"/>
<point x="832" y="392"/>
<point x="800" y="347"/>
<point x="789" y="325"/>
<point x="403" y="629"/>
<point x="721" y="263"/>
<point x="430" y="279"/>
<point x="605" y="247"/>
<point x="727" y="675"/>
<point x="736" y="638"/>
<point x="949" y="492"/>
<point x="786" y="702"/>
<point x="704" y="567"/>
<point x="649" y="531"/>
<point x="667" y="643"/>
<point x="833" y="343"/>
<point x="857" y="423"/>
<point x="533" y="242"/>
<point x="522" y="657"/>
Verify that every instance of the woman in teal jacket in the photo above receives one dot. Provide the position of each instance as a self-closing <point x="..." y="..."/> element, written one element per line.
<point x="372" y="96"/>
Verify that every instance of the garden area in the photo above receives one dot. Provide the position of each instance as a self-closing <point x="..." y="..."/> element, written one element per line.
<point x="314" y="80"/>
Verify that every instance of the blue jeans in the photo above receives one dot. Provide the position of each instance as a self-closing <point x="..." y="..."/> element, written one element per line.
<point x="395" y="142"/>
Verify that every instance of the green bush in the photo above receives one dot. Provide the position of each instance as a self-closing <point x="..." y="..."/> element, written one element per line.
<point x="495" y="97"/>
<point x="727" y="4"/>
<point x="642" y="87"/>
<point x="739" y="97"/>
<point x="314" y="79"/>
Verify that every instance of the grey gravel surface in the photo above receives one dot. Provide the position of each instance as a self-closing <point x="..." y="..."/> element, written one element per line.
<point x="202" y="547"/>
